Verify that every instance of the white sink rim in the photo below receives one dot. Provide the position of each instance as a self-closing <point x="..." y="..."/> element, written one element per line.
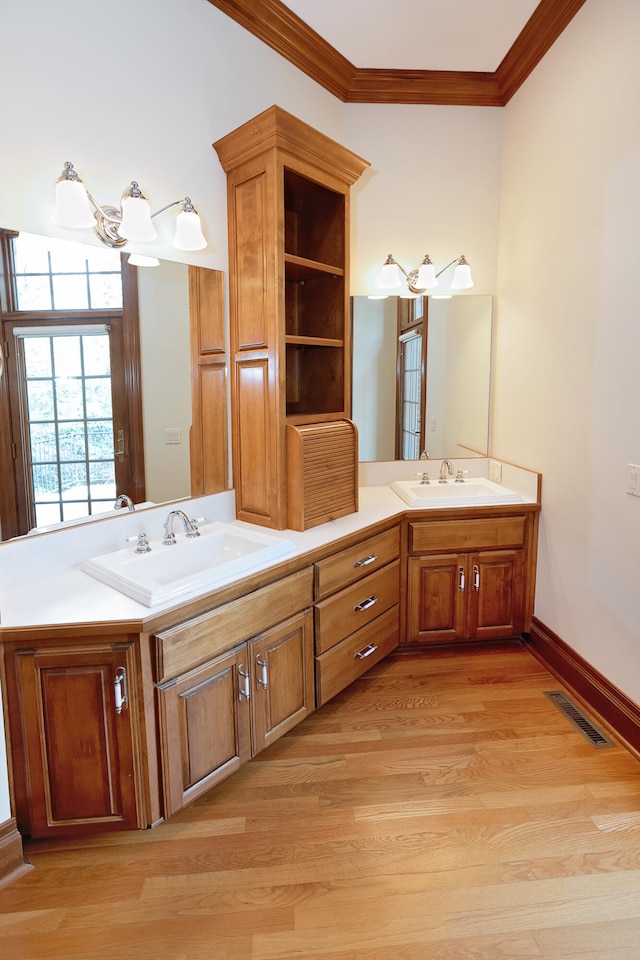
<point x="472" y="492"/>
<point x="147" y="577"/>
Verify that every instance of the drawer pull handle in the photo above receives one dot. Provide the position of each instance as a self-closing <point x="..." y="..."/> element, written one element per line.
<point x="365" y="604"/>
<point x="461" y="578"/>
<point x="262" y="666"/>
<point x="365" y="560"/>
<point x="366" y="651"/>
<point x="244" y="691"/>
<point x="476" y="577"/>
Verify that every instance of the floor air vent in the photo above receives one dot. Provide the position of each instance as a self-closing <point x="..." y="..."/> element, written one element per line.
<point x="584" y="726"/>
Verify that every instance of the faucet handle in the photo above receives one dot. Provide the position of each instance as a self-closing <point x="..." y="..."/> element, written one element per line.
<point x="425" y="477"/>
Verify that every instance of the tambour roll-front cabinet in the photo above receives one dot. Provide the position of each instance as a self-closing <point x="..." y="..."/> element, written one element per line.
<point x="356" y="611"/>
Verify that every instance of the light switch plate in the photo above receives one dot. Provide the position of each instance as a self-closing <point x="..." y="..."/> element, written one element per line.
<point x="173" y="435"/>
<point x="633" y="480"/>
<point x="495" y="471"/>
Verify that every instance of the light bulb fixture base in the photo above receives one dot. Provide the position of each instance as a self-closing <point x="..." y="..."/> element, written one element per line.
<point x="132" y="220"/>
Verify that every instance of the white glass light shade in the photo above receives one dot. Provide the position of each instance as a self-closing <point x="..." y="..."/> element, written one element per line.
<point x="136" y="220"/>
<point x="72" y="207"/>
<point x="189" y="235"/>
<point x="139" y="260"/>
<point x="462" y="276"/>
<point x="426" y="276"/>
<point x="390" y="277"/>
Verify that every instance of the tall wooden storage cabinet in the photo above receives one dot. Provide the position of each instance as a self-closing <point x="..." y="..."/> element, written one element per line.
<point x="288" y="199"/>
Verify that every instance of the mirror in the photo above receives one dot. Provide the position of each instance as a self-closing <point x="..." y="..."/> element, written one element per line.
<point x="458" y="367"/>
<point x="163" y="295"/>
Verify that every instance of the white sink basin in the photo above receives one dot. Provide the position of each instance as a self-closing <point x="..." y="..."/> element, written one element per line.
<point x="476" y="491"/>
<point x="222" y="553"/>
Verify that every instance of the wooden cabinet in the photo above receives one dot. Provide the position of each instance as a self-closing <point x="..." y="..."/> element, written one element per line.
<point x="74" y="736"/>
<point x="245" y="694"/>
<point x="470" y="579"/>
<point x="356" y="611"/>
<point x="288" y="207"/>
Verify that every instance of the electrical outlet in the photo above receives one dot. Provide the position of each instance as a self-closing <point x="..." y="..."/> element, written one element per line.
<point x="495" y="471"/>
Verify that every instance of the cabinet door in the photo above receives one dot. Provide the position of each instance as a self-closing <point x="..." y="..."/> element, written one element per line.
<point x="204" y="727"/>
<point x="436" y="598"/>
<point x="78" y="739"/>
<point x="496" y="594"/>
<point x="283" y="680"/>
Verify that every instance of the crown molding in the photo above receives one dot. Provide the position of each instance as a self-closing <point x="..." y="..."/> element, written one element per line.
<point x="282" y="30"/>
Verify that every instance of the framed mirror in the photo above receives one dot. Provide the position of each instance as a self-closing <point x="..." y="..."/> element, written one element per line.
<point x="440" y="394"/>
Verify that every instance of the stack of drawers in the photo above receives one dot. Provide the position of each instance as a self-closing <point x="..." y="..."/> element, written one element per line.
<point x="356" y="611"/>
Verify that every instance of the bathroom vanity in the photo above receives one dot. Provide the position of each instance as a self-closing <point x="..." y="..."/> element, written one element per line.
<point x="119" y="713"/>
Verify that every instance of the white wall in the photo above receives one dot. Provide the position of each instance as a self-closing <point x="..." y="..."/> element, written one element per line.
<point x="166" y="378"/>
<point x="433" y="187"/>
<point x="567" y="388"/>
<point x="135" y="91"/>
<point x="375" y="326"/>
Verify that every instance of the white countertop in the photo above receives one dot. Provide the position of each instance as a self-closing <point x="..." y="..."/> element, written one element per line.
<point x="41" y="582"/>
<point x="51" y="589"/>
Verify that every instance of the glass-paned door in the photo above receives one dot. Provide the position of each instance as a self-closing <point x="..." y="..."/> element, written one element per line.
<point x="68" y="421"/>
<point x="410" y="395"/>
<point x="71" y="438"/>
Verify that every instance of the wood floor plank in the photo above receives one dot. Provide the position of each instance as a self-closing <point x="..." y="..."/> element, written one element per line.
<point x="440" y="808"/>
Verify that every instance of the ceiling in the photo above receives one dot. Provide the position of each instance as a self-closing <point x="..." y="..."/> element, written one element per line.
<point x="475" y="52"/>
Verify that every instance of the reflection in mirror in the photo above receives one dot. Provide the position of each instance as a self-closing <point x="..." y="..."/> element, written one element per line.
<point x="457" y="372"/>
<point x="163" y="295"/>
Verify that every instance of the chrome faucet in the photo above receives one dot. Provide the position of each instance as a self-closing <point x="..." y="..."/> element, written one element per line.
<point x="124" y="501"/>
<point x="190" y="528"/>
<point x="444" y="469"/>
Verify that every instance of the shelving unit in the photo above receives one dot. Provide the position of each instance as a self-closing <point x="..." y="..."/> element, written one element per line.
<point x="288" y="197"/>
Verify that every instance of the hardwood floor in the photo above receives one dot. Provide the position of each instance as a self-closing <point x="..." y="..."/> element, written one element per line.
<point x="439" y="809"/>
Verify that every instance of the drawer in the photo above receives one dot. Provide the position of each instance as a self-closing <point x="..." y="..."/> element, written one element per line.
<point x="359" y="604"/>
<point x="191" y="643"/>
<point x="460" y="535"/>
<point x="348" y="660"/>
<point x="356" y="562"/>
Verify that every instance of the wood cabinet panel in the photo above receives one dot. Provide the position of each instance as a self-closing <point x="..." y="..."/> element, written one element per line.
<point x="436" y="602"/>
<point x="459" y="535"/>
<point x="352" y="608"/>
<point x="78" y="748"/>
<point x="204" y="728"/>
<point x="466" y="596"/>
<point x="283" y="679"/>
<point x="185" y="646"/>
<point x="353" y="656"/>
<point x="353" y="563"/>
<point x="208" y="438"/>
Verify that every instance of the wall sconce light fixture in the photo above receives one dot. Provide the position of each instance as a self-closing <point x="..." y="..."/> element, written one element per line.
<point x="425" y="276"/>
<point x="132" y="220"/>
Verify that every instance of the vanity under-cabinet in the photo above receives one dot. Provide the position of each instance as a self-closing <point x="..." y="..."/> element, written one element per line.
<point x="119" y="723"/>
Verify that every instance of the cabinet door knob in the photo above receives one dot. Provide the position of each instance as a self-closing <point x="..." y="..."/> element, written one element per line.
<point x="476" y="577"/>
<point x="262" y="667"/>
<point x="120" y="689"/>
<point x="365" y="604"/>
<point x="460" y="578"/>
<point x="365" y="561"/>
<point x="244" y="691"/>
<point x="366" y="651"/>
